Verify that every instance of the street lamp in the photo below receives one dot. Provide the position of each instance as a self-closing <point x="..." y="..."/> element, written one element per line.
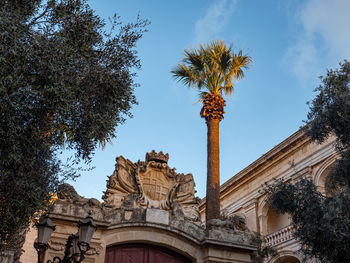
<point x="87" y="229"/>
<point x="76" y="246"/>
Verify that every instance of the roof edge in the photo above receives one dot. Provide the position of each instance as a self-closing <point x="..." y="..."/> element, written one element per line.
<point x="299" y="134"/>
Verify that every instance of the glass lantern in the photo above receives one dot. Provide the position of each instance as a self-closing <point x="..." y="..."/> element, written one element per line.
<point x="45" y="229"/>
<point x="87" y="229"/>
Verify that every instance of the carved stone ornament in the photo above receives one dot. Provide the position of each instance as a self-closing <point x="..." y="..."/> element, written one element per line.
<point x="234" y="222"/>
<point x="56" y="245"/>
<point x="152" y="184"/>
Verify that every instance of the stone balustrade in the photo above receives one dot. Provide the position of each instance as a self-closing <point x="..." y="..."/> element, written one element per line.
<point x="279" y="236"/>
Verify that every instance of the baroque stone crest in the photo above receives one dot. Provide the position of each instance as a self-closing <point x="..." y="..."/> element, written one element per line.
<point x="152" y="184"/>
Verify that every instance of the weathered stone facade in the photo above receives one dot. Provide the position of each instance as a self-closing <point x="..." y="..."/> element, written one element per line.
<point x="290" y="160"/>
<point x="147" y="202"/>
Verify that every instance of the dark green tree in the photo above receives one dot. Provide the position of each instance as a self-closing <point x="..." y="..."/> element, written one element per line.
<point x="322" y="222"/>
<point x="64" y="82"/>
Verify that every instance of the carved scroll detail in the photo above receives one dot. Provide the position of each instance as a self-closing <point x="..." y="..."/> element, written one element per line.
<point x="152" y="183"/>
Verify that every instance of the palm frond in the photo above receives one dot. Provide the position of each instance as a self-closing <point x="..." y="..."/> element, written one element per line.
<point x="194" y="60"/>
<point x="202" y="95"/>
<point x="228" y="89"/>
<point x="187" y="76"/>
<point x="212" y="67"/>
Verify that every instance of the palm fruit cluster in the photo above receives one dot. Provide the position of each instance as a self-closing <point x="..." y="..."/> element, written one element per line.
<point x="213" y="107"/>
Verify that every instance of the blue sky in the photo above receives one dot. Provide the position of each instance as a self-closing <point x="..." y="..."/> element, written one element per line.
<point x="292" y="42"/>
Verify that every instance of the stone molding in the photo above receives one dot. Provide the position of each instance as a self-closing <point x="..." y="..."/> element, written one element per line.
<point x="150" y="217"/>
<point x="277" y="150"/>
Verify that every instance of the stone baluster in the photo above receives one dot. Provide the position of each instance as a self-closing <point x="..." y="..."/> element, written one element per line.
<point x="280" y="236"/>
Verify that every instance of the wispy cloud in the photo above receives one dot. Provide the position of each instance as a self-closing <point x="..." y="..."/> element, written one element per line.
<point x="324" y="40"/>
<point x="215" y="19"/>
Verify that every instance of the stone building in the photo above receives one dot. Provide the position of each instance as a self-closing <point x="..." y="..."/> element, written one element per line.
<point x="293" y="158"/>
<point x="150" y="212"/>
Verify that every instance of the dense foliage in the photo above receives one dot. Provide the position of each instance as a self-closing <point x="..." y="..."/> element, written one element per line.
<point x="323" y="221"/>
<point x="64" y="82"/>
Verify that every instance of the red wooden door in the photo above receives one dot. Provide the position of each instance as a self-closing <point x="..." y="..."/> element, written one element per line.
<point x="142" y="253"/>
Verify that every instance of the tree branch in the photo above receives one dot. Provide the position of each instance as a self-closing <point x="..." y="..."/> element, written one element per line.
<point x="34" y="21"/>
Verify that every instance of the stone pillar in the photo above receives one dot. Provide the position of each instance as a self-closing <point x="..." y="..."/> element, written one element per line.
<point x="218" y="253"/>
<point x="226" y="245"/>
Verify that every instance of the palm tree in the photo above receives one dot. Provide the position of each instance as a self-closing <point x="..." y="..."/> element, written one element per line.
<point x="211" y="69"/>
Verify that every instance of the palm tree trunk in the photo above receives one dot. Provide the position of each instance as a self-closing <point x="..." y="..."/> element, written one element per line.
<point x="212" y="210"/>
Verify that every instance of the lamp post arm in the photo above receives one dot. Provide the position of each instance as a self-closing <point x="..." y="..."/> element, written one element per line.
<point x="69" y="244"/>
<point x="40" y="248"/>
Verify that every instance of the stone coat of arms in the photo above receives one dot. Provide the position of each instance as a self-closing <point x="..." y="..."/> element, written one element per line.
<point x="152" y="184"/>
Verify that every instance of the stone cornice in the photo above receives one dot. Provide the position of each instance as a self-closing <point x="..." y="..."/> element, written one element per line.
<point x="152" y="219"/>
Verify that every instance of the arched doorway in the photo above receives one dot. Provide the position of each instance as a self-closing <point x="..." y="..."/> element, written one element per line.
<point x="287" y="259"/>
<point x="276" y="221"/>
<point x="323" y="180"/>
<point x="143" y="253"/>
